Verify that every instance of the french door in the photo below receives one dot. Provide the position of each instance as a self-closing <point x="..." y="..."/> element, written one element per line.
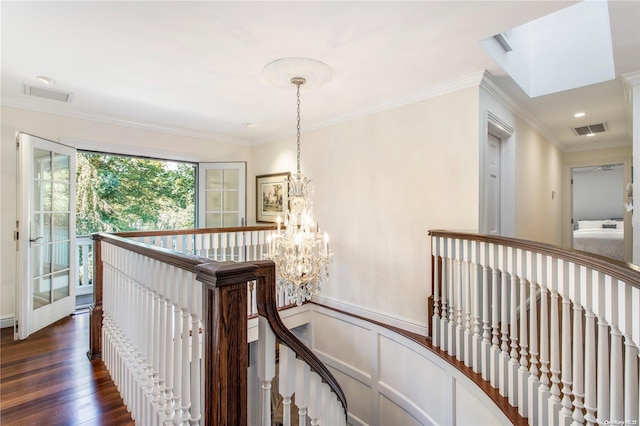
<point x="46" y="234"/>
<point x="221" y="195"/>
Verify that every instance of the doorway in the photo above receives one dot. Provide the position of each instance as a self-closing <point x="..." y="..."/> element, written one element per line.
<point x="598" y="212"/>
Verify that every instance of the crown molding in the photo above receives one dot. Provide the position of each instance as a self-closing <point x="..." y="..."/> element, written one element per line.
<point x="15" y="102"/>
<point x="632" y="78"/>
<point x="490" y="84"/>
<point x="449" y="86"/>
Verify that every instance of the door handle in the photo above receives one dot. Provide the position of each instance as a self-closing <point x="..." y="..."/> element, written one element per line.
<point x="35" y="239"/>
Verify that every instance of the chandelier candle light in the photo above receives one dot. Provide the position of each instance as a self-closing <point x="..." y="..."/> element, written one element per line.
<point x="301" y="253"/>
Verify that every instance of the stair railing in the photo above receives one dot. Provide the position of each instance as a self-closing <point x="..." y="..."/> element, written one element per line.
<point x="173" y="335"/>
<point x="555" y="330"/>
<point x="318" y="394"/>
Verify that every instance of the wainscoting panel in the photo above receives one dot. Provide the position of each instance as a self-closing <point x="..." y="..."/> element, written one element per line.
<point x="467" y="412"/>
<point x="389" y="379"/>
<point x="393" y="414"/>
<point x="351" y="386"/>
<point x="350" y="345"/>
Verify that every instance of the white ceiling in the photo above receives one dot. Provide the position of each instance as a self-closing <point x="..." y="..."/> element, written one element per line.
<point x="196" y="67"/>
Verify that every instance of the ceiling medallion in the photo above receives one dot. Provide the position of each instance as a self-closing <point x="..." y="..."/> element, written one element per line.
<point x="281" y="71"/>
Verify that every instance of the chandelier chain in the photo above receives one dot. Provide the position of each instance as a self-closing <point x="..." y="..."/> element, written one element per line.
<point x="298" y="128"/>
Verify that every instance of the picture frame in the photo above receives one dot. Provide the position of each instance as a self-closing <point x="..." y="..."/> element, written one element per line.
<point x="272" y="196"/>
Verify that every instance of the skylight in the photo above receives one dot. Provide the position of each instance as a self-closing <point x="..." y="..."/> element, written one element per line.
<point x="564" y="50"/>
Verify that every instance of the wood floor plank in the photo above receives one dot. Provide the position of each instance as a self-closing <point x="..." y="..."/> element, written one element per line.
<point x="47" y="379"/>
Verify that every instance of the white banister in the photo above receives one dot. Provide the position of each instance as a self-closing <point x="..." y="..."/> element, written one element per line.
<point x="504" y="322"/>
<point x="435" y="319"/>
<point x="523" y="371"/>
<point x="451" y="305"/>
<point x="286" y="381"/>
<point x="544" y="391"/>
<point x="266" y="366"/>
<point x="533" y="382"/>
<point x="495" y="317"/>
<point x="152" y="318"/>
<point x="512" y="375"/>
<point x="555" y="332"/>
<point x="486" y="315"/>
<point x="303" y="384"/>
<point x="578" y="354"/>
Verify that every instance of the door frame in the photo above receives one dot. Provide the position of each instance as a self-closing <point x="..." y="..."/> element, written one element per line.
<point x="567" y="206"/>
<point x="491" y="123"/>
<point x="24" y="320"/>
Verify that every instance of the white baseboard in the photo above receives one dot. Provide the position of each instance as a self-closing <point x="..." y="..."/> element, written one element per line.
<point x="7" y="321"/>
<point x="381" y="317"/>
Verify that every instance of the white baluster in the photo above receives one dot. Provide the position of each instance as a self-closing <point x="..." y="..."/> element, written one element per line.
<point x="186" y="346"/>
<point x="578" y="352"/>
<point x="567" y="406"/>
<point x="504" y="323"/>
<point x="495" y="317"/>
<point x="169" y="379"/>
<point x="476" y="353"/>
<point x="444" y="295"/>
<point x="315" y="398"/>
<point x="266" y="365"/>
<point x="603" y="352"/>
<point x="451" y="339"/>
<point x="616" y="375"/>
<point x="196" y="367"/>
<point x="590" y="354"/>
<point x="303" y="377"/>
<point x="513" y="327"/>
<point x="533" y="383"/>
<point x="486" y="314"/>
<point x="435" y="319"/>
<point x="468" y="285"/>
<point x="460" y="297"/>
<point x="629" y="319"/>
<point x="287" y="381"/>
<point x="523" y="371"/>
<point x="554" y="400"/>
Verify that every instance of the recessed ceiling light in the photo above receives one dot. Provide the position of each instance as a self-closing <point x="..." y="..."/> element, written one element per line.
<point x="46" y="80"/>
<point x="247" y="124"/>
<point x="590" y="134"/>
<point x="579" y="114"/>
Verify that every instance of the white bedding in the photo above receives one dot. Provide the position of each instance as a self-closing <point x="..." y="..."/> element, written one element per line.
<point x="602" y="241"/>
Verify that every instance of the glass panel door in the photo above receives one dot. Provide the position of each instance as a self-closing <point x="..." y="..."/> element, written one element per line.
<point x="222" y="189"/>
<point x="47" y="233"/>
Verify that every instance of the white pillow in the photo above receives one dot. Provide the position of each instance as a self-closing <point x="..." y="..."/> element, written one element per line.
<point x="590" y="224"/>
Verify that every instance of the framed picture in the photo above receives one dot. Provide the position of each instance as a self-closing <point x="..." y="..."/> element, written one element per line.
<point x="272" y="196"/>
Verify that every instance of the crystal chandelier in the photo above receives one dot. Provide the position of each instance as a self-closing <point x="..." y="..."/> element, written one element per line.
<point x="301" y="253"/>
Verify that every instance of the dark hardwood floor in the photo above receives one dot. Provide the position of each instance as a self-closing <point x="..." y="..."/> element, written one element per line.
<point x="47" y="379"/>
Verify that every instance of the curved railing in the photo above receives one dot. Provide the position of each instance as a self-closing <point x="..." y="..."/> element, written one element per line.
<point x="291" y="348"/>
<point x="554" y="330"/>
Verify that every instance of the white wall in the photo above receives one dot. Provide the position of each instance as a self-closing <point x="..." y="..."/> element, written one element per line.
<point x="598" y="193"/>
<point x="97" y="136"/>
<point x="381" y="182"/>
<point x="389" y="379"/>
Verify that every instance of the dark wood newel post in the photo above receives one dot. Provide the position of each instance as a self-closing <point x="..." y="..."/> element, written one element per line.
<point x="225" y="341"/>
<point x="95" y="311"/>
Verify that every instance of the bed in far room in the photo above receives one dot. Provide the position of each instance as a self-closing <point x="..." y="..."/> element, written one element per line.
<point x="603" y="236"/>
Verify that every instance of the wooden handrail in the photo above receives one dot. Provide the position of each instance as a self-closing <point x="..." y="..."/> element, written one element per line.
<point x="158" y="233"/>
<point x="623" y="271"/>
<point x="554" y="329"/>
<point x="267" y="307"/>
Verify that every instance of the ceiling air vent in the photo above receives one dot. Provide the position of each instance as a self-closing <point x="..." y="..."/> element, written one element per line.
<point x="56" y="95"/>
<point x="590" y="129"/>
